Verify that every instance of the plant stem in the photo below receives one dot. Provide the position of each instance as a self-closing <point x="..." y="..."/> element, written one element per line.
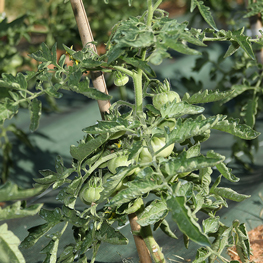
<point x="152" y="245"/>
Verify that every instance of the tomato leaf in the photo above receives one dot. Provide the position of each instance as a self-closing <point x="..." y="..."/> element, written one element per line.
<point x="35" y="113"/>
<point x="35" y="233"/>
<point x="174" y="110"/>
<point x="233" y="127"/>
<point x="9" y="246"/>
<point x="83" y="150"/>
<point x="181" y="214"/>
<point x="223" y="169"/>
<point x="183" y="164"/>
<point x="229" y="194"/>
<point x="237" y="90"/>
<point x="16" y="210"/>
<point x="206" y="96"/>
<point x="249" y="111"/>
<point x="204" y="10"/>
<point x="154" y="212"/>
<point x="109" y="235"/>
<point x="191" y="127"/>
<point x="10" y="191"/>
<point x="244" y="43"/>
<point x="144" y="182"/>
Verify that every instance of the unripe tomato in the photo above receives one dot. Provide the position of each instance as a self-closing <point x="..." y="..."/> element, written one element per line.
<point x="120" y="79"/>
<point x="157" y="144"/>
<point x="164" y="97"/>
<point x="89" y="195"/>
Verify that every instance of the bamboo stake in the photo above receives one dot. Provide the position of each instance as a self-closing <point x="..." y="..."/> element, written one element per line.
<point x="99" y="83"/>
<point x="87" y="37"/>
<point x="2" y="6"/>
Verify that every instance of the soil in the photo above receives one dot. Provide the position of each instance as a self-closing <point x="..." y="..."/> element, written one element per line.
<point x="256" y="243"/>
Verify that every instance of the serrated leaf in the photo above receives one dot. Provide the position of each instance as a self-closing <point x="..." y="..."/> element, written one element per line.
<point x="242" y="243"/>
<point x="83" y="150"/>
<point x="35" y="113"/>
<point x="109" y="235"/>
<point x="182" y="164"/>
<point x="105" y="127"/>
<point x="223" y="169"/>
<point x="89" y="239"/>
<point x="112" y="182"/>
<point x="67" y="255"/>
<point x="230" y="194"/>
<point x="51" y="250"/>
<point x="139" y="64"/>
<point x="221" y="241"/>
<point x="154" y="212"/>
<point x="164" y="226"/>
<point x="233" y="127"/>
<point x="181" y="214"/>
<point x="244" y="43"/>
<point x="206" y="96"/>
<point x="10" y="191"/>
<point x="83" y="88"/>
<point x="73" y="216"/>
<point x="180" y="47"/>
<point x="254" y="8"/>
<point x="51" y="215"/>
<point x="237" y="90"/>
<point x="7" y="109"/>
<point x="232" y="49"/>
<point x="9" y="250"/>
<point x="189" y="128"/>
<point x="175" y="110"/>
<point x="249" y="111"/>
<point x="205" y="12"/>
<point x="17" y="211"/>
<point x="35" y="233"/>
<point x="201" y="255"/>
<point x="145" y="182"/>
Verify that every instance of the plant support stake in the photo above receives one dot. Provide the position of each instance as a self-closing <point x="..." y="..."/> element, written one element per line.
<point x="99" y="83"/>
<point x="87" y="37"/>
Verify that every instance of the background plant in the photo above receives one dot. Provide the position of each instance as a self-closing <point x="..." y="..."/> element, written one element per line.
<point x="176" y="182"/>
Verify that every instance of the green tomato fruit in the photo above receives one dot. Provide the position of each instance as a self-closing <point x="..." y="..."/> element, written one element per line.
<point x="118" y="162"/>
<point x="165" y="97"/>
<point x="157" y="144"/>
<point x="120" y="79"/>
<point x="89" y="195"/>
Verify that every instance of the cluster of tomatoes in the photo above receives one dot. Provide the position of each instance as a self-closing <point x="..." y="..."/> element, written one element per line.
<point x="90" y="192"/>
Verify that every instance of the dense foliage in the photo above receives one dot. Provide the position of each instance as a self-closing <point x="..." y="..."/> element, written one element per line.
<point x="147" y="160"/>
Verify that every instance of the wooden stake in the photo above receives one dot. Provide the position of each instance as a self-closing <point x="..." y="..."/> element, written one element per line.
<point x="99" y="83"/>
<point x="87" y="37"/>
<point x="2" y="6"/>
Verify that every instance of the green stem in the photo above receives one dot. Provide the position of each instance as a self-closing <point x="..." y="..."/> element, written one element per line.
<point x="29" y="98"/>
<point x="153" y="247"/>
<point x="138" y="77"/>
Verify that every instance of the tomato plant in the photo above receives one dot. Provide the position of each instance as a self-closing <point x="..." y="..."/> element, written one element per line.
<point x="140" y="164"/>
